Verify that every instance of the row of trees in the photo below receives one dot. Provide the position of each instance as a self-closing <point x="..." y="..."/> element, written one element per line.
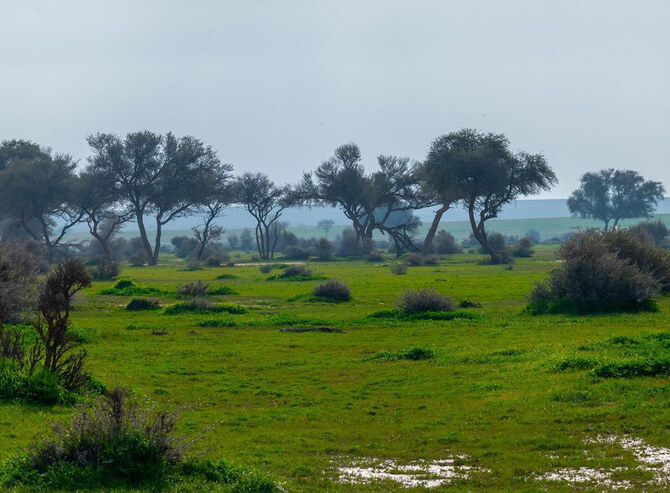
<point x="153" y="179"/>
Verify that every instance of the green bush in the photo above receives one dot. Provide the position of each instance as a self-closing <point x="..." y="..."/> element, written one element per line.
<point x="126" y="287"/>
<point x="523" y="249"/>
<point x="399" y="268"/>
<point x="140" y="304"/>
<point x="42" y="387"/>
<point x="413" y="353"/>
<point x="204" y="307"/>
<point x="216" y="323"/>
<point x="296" y="273"/>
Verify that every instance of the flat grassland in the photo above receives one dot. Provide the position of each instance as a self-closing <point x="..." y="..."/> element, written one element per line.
<point x="510" y="400"/>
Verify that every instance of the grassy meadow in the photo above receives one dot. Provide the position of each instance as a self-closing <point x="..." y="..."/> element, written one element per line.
<point x="511" y="396"/>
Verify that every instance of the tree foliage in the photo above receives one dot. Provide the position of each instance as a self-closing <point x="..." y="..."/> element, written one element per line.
<point x="611" y="195"/>
<point x="265" y="201"/>
<point x="38" y="190"/>
<point x="490" y="176"/>
<point x="162" y="176"/>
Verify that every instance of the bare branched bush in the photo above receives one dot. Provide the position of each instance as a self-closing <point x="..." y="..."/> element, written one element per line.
<point x="333" y="290"/>
<point x="192" y="289"/>
<point x="425" y="300"/>
<point x="54" y="304"/>
<point x="116" y="437"/>
<point x="603" y="271"/>
<point x="399" y="268"/>
<point x="104" y="269"/>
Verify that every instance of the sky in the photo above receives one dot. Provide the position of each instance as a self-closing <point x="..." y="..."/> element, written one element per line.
<point x="276" y="86"/>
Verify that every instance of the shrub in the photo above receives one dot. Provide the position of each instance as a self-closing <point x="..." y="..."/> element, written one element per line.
<point x="221" y="291"/>
<point x="126" y="287"/>
<point x="412" y="353"/>
<point x="296" y="273"/>
<point x="655" y="232"/>
<point x="603" y="272"/>
<point x="416" y="259"/>
<point x="18" y="279"/>
<point x="192" y="289"/>
<point x="203" y="306"/>
<point x="333" y="290"/>
<point x="104" y="268"/>
<point x="226" y="276"/>
<point x="425" y="300"/>
<point x="444" y="243"/>
<point x="139" y="304"/>
<point x="399" y="268"/>
<point x="349" y="245"/>
<point x="323" y="249"/>
<point x="116" y="441"/>
<point x="265" y="268"/>
<point x="501" y="251"/>
<point x="296" y="253"/>
<point x="216" y="260"/>
<point x="524" y="248"/>
<point x="39" y="386"/>
<point x="216" y="323"/>
<point x="413" y="259"/>
<point x="375" y="256"/>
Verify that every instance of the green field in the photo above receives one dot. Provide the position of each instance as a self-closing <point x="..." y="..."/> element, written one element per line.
<point x="506" y="400"/>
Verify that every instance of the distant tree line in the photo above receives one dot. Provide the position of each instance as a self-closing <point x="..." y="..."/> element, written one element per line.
<point x="153" y="179"/>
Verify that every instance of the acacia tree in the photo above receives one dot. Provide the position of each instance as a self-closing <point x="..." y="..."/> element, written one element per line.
<point x="157" y="175"/>
<point x="341" y="182"/>
<point x="443" y="174"/>
<point x="612" y="195"/>
<point x="492" y="176"/>
<point x="103" y="211"/>
<point x="265" y="201"/>
<point x="38" y="190"/>
<point x="326" y="225"/>
<point x="218" y="197"/>
<point x="371" y="202"/>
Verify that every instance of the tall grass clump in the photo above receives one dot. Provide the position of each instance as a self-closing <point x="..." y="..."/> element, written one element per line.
<point x="603" y="271"/>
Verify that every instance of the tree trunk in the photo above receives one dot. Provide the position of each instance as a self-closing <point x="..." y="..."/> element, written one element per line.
<point x="428" y="242"/>
<point x="103" y="244"/>
<point x="144" y="238"/>
<point x="157" y="242"/>
<point x="480" y="235"/>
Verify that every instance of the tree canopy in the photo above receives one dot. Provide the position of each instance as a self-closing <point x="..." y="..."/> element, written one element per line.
<point x="483" y="172"/>
<point x="611" y="195"/>
<point x="162" y="176"/>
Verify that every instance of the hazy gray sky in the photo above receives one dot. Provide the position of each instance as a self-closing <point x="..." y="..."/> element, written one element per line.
<point x="275" y="86"/>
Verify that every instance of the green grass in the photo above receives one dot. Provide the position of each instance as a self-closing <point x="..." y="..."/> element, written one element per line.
<point x="516" y="393"/>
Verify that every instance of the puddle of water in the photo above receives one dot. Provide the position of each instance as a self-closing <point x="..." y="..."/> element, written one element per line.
<point x="411" y="475"/>
<point x="655" y="460"/>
